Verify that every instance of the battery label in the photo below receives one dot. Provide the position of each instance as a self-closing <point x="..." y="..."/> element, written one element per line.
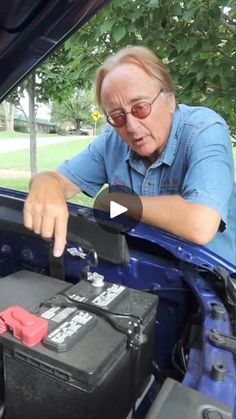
<point x="50" y="313"/>
<point x="58" y="314"/>
<point x="70" y="331"/>
<point x="108" y="296"/>
<point x="76" y="297"/>
<point x="63" y="314"/>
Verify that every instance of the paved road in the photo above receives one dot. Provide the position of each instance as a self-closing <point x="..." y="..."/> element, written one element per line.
<point x="24" y="143"/>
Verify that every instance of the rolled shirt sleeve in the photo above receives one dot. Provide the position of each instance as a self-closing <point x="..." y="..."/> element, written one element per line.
<point x="210" y="175"/>
<point x="87" y="169"/>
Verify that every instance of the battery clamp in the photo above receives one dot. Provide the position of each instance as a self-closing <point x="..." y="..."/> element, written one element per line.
<point x="96" y="304"/>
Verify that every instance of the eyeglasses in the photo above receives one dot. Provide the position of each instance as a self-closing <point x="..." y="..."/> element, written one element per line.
<point x="140" y="110"/>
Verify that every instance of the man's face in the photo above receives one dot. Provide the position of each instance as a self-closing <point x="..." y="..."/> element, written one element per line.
<point x="127" y="85"/>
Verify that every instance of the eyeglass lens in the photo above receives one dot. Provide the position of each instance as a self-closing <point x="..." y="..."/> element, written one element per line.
<point x="140" y="110"/>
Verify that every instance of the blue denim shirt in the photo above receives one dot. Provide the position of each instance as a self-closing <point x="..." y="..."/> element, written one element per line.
<point x="196" y="163"/>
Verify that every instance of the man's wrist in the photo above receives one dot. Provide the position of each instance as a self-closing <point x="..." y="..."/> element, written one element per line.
<point x="47" y="173"/>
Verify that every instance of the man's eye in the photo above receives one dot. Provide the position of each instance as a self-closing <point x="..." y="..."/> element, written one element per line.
<point x="140" y="106"/>
<point x="117" y="116"/>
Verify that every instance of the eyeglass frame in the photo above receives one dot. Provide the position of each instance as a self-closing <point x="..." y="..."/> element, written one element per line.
<point x="137" y="117"/>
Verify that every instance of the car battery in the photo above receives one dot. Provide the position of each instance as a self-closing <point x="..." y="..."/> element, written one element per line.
<point x="96" y="358"/>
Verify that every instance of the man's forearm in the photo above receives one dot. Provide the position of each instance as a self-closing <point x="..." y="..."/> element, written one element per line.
<point x="69" y="188"/>
<point x="194" y="222"/>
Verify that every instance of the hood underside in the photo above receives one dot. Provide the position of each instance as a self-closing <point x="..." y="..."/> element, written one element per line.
<point x="29" y="31"/>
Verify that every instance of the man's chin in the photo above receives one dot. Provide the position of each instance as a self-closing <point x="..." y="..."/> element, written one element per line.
<point x="144" y="150"/>
<point x="149" y="156"/>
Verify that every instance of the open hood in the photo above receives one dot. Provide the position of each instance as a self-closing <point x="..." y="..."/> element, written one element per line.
<point x="29" y="31"/>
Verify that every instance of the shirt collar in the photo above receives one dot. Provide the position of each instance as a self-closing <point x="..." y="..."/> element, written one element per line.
<point x="168" y="154"/>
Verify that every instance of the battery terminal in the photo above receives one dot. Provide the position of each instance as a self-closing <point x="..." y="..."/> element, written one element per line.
<point x="27" y="327"/>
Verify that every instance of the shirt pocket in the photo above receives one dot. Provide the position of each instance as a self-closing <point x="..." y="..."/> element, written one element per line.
<point x="170" y="186"/>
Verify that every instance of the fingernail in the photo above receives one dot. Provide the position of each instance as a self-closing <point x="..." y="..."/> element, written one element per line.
<point x="57" y="253"/>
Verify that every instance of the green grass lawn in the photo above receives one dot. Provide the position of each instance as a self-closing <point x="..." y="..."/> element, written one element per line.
<point x="12" y="134"/>
<point x="48" y="157"/>
<point x="20" y="183"/>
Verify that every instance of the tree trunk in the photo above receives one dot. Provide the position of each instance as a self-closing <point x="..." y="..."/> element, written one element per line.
<point x="77" y="124"/>
<point x="32" y="123"/>
<point x="8" y="115"/>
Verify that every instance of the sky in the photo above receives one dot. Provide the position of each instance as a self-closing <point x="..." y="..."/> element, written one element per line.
<point x="43" y="111"/>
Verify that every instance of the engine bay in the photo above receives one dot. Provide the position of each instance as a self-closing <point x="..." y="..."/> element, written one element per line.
<point x="131" y="325"/>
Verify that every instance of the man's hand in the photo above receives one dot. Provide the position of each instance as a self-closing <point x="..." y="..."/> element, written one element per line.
<point x="45" y="209"/>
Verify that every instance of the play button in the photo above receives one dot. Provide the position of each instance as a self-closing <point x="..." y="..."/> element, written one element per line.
<point x="117" y="208"/>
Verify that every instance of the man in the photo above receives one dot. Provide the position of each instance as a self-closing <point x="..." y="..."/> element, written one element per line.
<point x="177" y="158"/>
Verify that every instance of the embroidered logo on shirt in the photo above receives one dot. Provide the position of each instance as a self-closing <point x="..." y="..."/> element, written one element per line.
<point x="118" y="181"/>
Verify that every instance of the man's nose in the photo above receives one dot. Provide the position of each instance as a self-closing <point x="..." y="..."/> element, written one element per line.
<point x="131" y="123"/>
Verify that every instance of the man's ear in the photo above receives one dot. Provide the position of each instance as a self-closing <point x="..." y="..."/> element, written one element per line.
<point x="172" y="103"/>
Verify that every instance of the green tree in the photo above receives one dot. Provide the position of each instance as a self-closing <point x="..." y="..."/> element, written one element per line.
<point x="195" y="38"/>
<point x="53" y="80"/>
<point x="56" y="80"/>
<point x="75" y="109"/>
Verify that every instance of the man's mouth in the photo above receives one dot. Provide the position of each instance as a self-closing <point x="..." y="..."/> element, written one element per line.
<point x="140" y="141"/>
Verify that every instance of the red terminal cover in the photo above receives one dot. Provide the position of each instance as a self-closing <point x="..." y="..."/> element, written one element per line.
<point x="27" y="327"/>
